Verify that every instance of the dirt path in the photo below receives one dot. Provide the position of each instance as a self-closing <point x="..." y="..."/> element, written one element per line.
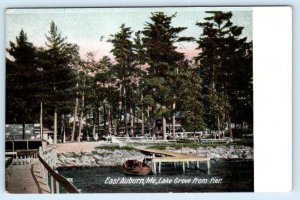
<point x="76" y="147"/>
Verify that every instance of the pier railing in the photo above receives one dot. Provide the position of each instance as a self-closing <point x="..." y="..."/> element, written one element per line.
<point x="48" y="163"/>
<point x="23" y="157"/>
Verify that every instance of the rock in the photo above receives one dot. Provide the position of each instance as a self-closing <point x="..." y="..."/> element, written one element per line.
<point x="101" y="157"/>
<point x="233" y="156"/>
<point x="71" y="159"/>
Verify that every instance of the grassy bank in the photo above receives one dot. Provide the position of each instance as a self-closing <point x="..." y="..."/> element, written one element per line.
<point x="193" y="145"/>
<point x="116" y="147"/>
<point x="178" y="145"/>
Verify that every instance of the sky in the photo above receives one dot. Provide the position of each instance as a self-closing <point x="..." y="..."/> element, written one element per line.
<point x="85" y="26"/>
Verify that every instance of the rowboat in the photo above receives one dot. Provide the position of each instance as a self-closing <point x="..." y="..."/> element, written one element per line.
<point x="135" y="167"/>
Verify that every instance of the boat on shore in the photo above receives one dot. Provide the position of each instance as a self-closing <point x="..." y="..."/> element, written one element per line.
<point x="135" y="167"/>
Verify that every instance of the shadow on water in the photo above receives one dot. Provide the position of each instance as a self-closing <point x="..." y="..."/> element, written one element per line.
<point x="224" y="176"/>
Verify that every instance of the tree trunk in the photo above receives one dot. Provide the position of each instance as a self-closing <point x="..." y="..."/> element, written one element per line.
<point x="125" y="114"/>
<point x="41" y="122"/>
<point x="164" y="127"/>
<point x="99" y="122"/>
<point x="74" y="121"/>
<point x="94" y="133"/>
<point x="149" y="122"/>
<point x="81" y="118"/>
<point x="143" y="121"/>
<point x="104" y="118"/>
<point x="64" y="134"/>
<point x="219" y="130"/>
<point x="135" y="122"/>
<point x="23" y="131"/>
<point x="153" y="121"/>
<point x="109" y="121"/>
<point x="55" y="126"/>
<point x="229" y="127"/>
<point x="119" y="119"/>
<point x="131" y="121"/>
<point x="174" y="119"/>
<point x="63" y="129"/>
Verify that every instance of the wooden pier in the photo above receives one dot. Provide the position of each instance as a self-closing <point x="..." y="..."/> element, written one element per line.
<point x="27" y="178"/>
<point x="33" y="171"/>
<point x="161" y="156"/>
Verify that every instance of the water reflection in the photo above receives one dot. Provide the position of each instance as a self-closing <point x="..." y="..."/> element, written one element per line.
<point x="224" y="176"/>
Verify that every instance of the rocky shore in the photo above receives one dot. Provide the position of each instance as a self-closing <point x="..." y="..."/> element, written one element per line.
<point x="97" y="158"/>
<point x="102" y="157"/>
<point x="221" y="152"/>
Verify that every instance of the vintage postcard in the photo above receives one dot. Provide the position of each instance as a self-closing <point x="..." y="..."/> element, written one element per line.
<point x="118" y="100"/>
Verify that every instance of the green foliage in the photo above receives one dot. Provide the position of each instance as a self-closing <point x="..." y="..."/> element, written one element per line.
<point x="125" y="71"/>
<point x="244" y="142"/>
<point x="148" y="72"/>
<point x="190" y="100"/>
<point x="22" y="81"/>
<point x="225" y="67"/>
<point x="163" y="81"/>
<point x="58" y="62"/>
<point x="115" y="147"/>
<point x="178" y="145"/>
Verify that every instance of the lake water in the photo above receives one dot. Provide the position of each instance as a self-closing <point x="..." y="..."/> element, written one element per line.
<point x="224" y="176"/>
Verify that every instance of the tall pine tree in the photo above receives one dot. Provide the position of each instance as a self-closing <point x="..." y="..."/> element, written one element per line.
<point x="126" y="72"/>
<point x="21" y="82"/>
<point x="225" y="64"/>
<point x="163" y="60"/>
<point x="59" y="74"/>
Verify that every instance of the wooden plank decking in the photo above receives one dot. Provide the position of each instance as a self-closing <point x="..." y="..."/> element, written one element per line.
<point x="165" y="153"/>
<point x="173" y="157"/>
<point x="26" y="179"/>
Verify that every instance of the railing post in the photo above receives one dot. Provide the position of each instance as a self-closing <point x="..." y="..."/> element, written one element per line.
<point x="46" y="175"/>
<point x="48" y="160"/>
<point x="57" y="185"/>
<point x="55" y="157"/>
<point x="52" y="158"/>
<point x="52" y="184"/>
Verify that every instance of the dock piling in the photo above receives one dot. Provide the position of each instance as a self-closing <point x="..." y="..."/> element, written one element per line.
<point x="175" y="158"/>
<point x="208" y="163"/>
<point x="159" y="167"/>
<point x="154" y="168"/>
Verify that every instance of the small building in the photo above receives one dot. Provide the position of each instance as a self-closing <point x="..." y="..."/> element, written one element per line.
<point x="23" y="137"/>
